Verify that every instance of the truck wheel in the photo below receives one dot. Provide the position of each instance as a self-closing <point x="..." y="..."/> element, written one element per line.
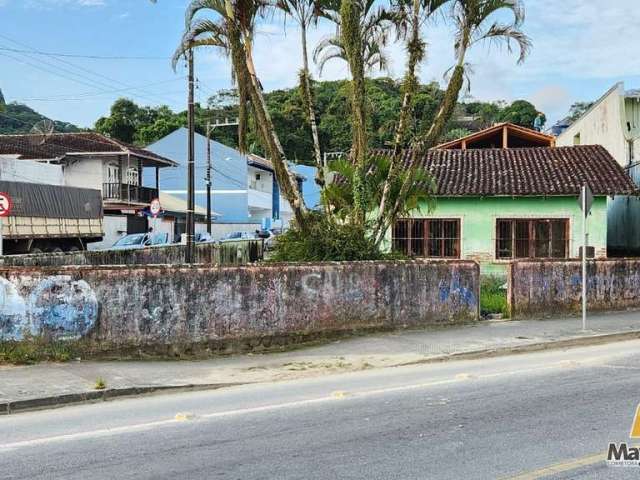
<point x="74" y="249"/>
<point x="35" y="250"/>
<point x="56" y="250"/>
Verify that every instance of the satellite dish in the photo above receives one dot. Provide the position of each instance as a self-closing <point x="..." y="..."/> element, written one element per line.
<point x="41" y="131"/>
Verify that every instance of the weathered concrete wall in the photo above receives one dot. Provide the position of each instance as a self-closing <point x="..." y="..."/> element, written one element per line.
<point x="543" y="288"/>
<point x="163" y="305"/>
<point x="227" y="253"/>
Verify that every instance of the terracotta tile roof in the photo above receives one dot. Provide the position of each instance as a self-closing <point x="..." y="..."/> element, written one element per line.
<point x="59" y="145"/>
<point x="526" y="171"/>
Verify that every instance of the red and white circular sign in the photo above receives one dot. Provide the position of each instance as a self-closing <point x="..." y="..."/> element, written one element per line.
<point x="5" y="204"/>
<point x="155" y="207"/>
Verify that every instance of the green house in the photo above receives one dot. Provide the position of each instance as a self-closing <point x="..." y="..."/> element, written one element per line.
<point x="498" y="205"/>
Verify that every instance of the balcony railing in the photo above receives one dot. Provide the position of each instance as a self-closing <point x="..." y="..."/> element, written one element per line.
<point x="122" y="192"/>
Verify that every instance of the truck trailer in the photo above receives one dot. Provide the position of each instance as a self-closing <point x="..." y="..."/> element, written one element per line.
<point x="51" y="218"/>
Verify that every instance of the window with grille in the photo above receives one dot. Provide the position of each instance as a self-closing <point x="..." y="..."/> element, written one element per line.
<point x="532" y="238"/>
<point x="421" y="237"/>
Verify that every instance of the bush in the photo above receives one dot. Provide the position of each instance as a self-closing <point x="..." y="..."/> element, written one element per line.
<point x="326" y="240"/>
<point x="493" y="296"/>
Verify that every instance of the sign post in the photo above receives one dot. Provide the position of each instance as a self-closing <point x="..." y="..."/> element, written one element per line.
<point x="586" y="201"/>
<point x="5" y="210"/>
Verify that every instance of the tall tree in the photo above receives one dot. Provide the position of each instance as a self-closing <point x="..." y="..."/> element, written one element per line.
<point x="472" y="19"/>
<point x="362" y="34"/>
<point x="233" y="31"/>
<point x="304" y="12"/>
<point x="409" y="16"/>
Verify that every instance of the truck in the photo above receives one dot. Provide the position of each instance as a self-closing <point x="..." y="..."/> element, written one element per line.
<point x="51" y="218"/>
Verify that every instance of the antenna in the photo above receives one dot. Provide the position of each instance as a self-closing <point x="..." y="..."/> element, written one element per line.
<point x="41" y="131"/>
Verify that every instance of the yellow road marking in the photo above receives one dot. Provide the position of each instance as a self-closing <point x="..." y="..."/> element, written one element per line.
<point x="635" y="428"/>
<point x="561" y="467"/>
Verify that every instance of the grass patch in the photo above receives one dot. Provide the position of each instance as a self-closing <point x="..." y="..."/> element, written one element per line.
<point x="493" y="296"/>
<point x="36" y="349"/>
<point x="100" y="384"/>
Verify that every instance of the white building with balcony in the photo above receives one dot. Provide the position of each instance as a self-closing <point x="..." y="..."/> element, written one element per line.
<point x="91" y="160"/>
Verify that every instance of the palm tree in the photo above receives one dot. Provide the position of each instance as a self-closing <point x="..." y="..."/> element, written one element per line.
<point x="473" y="26"/>
<point x="375" y="27"/>
<point x="304" y="12"/>
<point x="233" y="31"/>
<point x="409" y="16"/>
<point x="338" y="195"/>
<point x="471" y="18"/>
<point x="362" y="32"/>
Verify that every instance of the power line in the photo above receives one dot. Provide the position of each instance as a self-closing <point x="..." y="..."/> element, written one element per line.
<point x="80" y="96"/>
<point x="91" y="57"/>
<point x="29" y="53"/>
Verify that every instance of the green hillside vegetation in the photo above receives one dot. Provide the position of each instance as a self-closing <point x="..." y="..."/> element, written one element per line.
<point x="17" y="118"/>
<point x="144" y="125"/>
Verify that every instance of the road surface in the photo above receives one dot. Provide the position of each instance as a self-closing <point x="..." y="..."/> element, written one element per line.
<point x="517" y="417"/>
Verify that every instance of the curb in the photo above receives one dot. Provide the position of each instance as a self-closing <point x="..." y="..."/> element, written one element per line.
<point x="93" y="396"/>
<point x="530" y="347"/>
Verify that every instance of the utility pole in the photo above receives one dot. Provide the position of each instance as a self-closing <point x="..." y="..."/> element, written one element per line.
<point x="585" y="201"/>
<point x="190" y="163"/>
<point x="208" y="179"/>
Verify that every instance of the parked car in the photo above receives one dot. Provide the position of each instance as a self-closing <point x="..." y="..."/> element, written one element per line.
<point x="141" y="240"/>
<point x="203" y="237"/>
<point x="235" y="236"/>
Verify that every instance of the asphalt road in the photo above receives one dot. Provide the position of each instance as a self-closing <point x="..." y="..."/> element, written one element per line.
<point x="507" y="417"/>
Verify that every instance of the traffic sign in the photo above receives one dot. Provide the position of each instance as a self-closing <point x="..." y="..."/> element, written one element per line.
<point x="6" y="204"/>
<point x="586" y="199"/>
<point x="155" y="207"/>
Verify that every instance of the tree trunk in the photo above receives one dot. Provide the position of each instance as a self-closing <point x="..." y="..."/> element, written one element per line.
<point x="308" y="98"/>
<point x="286" y="179"/>
<point x="416" y="54"/>
<point x="350" y="15"/>
<point x="428" y="140"/>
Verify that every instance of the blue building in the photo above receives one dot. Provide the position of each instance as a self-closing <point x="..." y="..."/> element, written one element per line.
<point x="245" y="193"/>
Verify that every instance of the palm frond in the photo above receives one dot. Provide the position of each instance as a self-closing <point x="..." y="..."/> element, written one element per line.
<point x="500" y="33"/>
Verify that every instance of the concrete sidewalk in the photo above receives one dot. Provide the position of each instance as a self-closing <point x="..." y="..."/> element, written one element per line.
<point x="49" y="384"/>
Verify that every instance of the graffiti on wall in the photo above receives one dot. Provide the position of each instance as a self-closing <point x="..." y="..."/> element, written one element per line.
<point x="56" y="307"/>
<point x="454" y="289"/>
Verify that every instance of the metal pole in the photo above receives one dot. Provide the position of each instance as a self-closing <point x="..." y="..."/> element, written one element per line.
<point x="190" y="163"/>
<point x="209" y="178"/>
<point x="584" y="258"/>
<point x="1" y="239"/>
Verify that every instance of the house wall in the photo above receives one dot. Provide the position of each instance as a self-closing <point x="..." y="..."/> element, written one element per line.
<point x="605" y="124"/>
<point x="310" y="189"/>
<point x="229" y="174"/>
<point x="478" y="223"/>
<point x="30" y="171"/>
<point x="86" y="172"/>
<point x="601" y="125"/>
<point x="114" y="227"/>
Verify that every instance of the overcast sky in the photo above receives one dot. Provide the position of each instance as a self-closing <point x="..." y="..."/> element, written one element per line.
<point x="581" y="48"/>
